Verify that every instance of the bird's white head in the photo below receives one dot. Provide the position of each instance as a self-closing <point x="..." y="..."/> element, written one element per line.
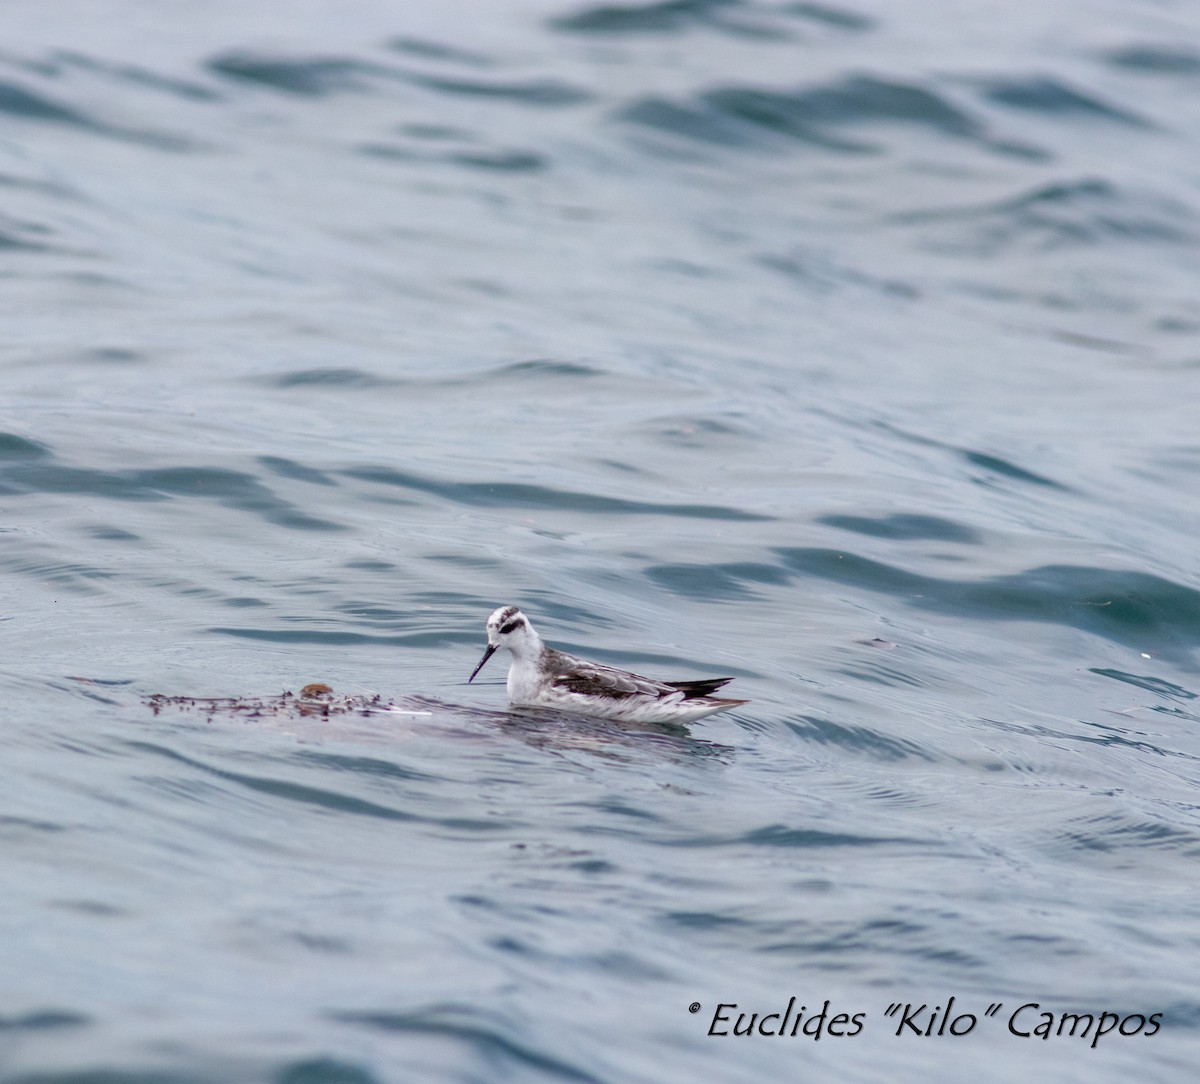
<point x="508" y="627"/>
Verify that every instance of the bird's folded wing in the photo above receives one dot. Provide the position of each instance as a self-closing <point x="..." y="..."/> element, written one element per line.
<point x="601" y="681"/>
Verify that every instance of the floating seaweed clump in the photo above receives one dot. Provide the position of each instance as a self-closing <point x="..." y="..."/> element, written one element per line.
<point x="316" y="698"/>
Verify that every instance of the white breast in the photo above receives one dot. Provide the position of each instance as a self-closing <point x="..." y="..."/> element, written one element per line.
<point x="525" y="683"/>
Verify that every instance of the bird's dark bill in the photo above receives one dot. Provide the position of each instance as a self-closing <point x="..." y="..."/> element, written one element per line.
<point x="491" y="650"/>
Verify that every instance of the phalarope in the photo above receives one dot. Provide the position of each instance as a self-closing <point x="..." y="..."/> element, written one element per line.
<point x="544" y="677"/>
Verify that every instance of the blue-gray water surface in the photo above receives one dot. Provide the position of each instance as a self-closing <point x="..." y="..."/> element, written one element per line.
<point x="849" y="349"/>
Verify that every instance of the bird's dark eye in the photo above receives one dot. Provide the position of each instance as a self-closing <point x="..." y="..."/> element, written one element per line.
<point x="511" y="625"/>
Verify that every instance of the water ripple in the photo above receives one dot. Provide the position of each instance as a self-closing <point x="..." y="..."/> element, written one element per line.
<point x="18" y="101"/>
<point x="1137" y="609"/>
<point x="733" y="17"/>
<point x="21" y="827"/>
<point x="324" y="1071"/>
<point x="24" y="468"/>
<point x="546" y="93"/>
<point x="328" y="378"/>
<point x="319" y="798"/>
<point x="713" y="581"/>
<point x="136" y="75"/>
<point x="436" y="50"/>
<point x="855" y="739"/>
<point x="333" y="637"/>
<point x="1044" y="94"/>
<point x="493" y="1039"/>
<point x="102" y="1075"/>
<point x="42" y="1019"/>
<point x="1156" y="59"/>
<point x="1069" y="214"/>
<point x="665" y="17"/>
<point x="746" y="116"/>
<point x="362" y="765"/>
<point x="308" y="76"/>
<point x="15" y="447"/>
<point x="1117" y="832"/>
<point x="322" y="76"/>
<point x="780" y="835"/>
<point x="905" y="525"/>
<point x="838" y="17"/>
<point x="518" y="495"/>
<point x="997" y="465"/>
<point x="1145" y="681"/>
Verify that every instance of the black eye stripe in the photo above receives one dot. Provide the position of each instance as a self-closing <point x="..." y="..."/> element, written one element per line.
<point x="512" y="625"/>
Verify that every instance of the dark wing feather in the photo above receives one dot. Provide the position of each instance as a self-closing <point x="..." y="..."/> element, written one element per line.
<point x="606" y="683"/>
<point x="693" y="689"/>
<point x="594" y="679"/>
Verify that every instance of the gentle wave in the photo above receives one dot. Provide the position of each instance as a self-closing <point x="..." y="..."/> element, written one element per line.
<point x="492" y="1038"/>
<point x="1083" y="213"/>
<point x="28" y="467"/>
<point x="731" y="17"/>
<point x="519" y="495"/>
<point x="821" y="116"/>
<point x="322" y="76"/>
<point x="25" y="104"/>
<point x="1138" y="609"/>
<point x="318" y="798"/>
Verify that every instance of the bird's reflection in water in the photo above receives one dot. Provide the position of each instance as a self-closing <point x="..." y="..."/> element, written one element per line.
<point x="547" y="729"/>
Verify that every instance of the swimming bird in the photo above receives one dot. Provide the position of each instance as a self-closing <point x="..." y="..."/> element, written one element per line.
<point x="544" y="677"/>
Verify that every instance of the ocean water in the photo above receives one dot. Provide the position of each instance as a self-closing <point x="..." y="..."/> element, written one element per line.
<point x="848" y="349"/>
